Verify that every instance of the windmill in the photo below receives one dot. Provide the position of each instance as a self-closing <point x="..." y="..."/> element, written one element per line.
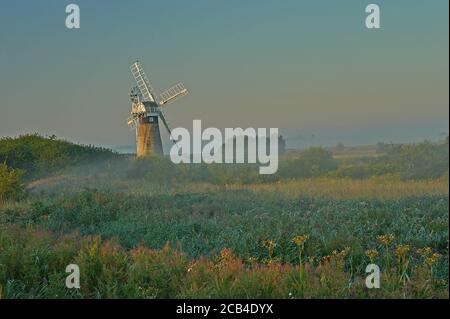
<point x="146" y="112"/>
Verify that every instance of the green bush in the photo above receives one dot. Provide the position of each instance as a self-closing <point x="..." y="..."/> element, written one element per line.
<point x="38" y="155"/>
<point x="11" y="186"/>
<point x="313" y="162"/>
<point x="419" y="161"/>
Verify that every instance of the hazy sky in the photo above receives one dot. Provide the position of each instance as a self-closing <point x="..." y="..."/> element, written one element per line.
<point x="310" y="68"/>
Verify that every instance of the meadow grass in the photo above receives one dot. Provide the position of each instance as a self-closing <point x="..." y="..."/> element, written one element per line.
<point x="346" y="188"/>
<point x="33" y="266"/>
<point x="152" y="229"/>
<point x="134" y="238"/>
<point x="385" y="187"/>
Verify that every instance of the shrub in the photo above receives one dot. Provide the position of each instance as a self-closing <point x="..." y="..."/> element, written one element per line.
<point x="37" y="154"/>
<point x="419" y="161"/>
<point x="313" y="162"/>
<point x="103" y="269"/>
<point x="11" y="186"/>
<point x="156" y="273"/>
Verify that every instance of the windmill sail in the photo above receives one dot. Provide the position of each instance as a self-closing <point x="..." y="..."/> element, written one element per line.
<point x="142" y="82"/>
<point x="173" y="93"/>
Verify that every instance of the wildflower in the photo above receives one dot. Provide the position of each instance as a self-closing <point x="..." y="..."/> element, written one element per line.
<point x="226" y="252"/>
<point x="424" y="252"/>
<point x="270" y="244"/>
<point x="343" y="253"/>
<point x="300" y="240"/>
<point x="401" y="251"/>
<point x="372" y="254"/>
<point x="431" y="260"/>
<point x="386" y="239"/>
<point x="273" y="261"/>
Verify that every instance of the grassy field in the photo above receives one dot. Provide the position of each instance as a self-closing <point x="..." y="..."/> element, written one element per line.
<point x="340" y="188"/>
<point x="152" y="230"/>
<point x="229" y="240"/>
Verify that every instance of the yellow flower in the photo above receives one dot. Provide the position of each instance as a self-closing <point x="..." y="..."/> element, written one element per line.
<point x="270" y="244"/>
<point x="401" y="251"/>
<point x="343" y="253"/>
<point x="430" y="261"/>
<point x="424" y="252"/>
<point x="371" y="253"/>
<point x="386" y="239"/>
<point x="226" y="253"/>
<point x="300" y="240"/>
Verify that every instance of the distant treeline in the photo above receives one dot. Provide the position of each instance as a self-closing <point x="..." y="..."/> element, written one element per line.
<point x="424" y="160"/>
<point x="36" y="155"/>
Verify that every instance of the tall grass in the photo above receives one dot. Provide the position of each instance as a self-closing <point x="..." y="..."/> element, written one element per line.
<point x="32" y="265"/>
<point x="202" y="224"/>
<point x="346" y="188"/>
